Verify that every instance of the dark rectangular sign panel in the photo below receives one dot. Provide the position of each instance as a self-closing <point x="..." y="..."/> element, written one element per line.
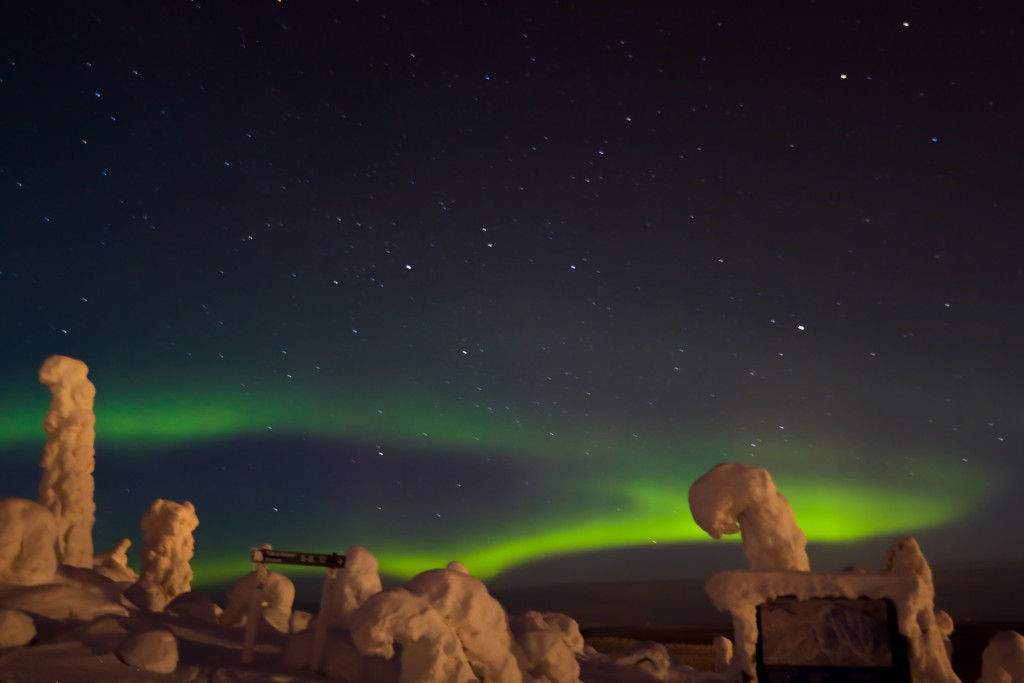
<point x="263" y="556"/>
<point x="830" y="640"/>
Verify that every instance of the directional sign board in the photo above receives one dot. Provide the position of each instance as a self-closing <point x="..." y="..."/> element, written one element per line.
<point x="330" y="561"/>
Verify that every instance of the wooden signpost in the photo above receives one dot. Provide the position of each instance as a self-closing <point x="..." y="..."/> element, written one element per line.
<point x="262" y="557"/>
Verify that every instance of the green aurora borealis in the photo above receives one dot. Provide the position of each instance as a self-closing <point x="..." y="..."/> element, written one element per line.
<point x="640" y="502"/>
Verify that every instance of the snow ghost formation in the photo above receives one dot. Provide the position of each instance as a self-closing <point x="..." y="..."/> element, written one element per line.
<point x="549" y="646"/>
<point x="352" y="587"/>
<point x="1003" y="659"/>
<point x="478" y="619"/>
<point x="168" y="546"/>
<point x="926" y="628"/>
<point x="28" y="542"/>
<point x="733" y="498"/>
<point x="67" y="485"/>
<point x="276" y="602"/>
<point x="114" y="564"/>
<point x="430" y="649"/>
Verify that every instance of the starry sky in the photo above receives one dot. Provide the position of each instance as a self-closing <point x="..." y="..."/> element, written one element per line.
<point x="496" y="281"/>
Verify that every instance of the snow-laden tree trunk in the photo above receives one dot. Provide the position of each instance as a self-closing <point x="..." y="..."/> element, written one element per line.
<point x="67" y="486"/>
<point x="168" y="546"/>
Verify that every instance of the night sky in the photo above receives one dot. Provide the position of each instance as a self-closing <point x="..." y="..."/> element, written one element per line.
<point x="497" y="281"/>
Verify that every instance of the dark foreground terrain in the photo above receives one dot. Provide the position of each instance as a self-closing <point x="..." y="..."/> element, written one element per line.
<point x="969" y="640"/>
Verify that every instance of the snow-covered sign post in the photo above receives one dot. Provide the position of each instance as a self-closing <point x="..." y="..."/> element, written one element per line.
<point x="264" y="556"/>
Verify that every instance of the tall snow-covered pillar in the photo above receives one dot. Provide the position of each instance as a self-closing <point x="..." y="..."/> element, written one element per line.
<point x="67" y="486"/>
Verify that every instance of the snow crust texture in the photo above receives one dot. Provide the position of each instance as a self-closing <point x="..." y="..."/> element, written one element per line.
<point x="548" y="654"/>
<point x="352" y="587"/>
<point x="927" y="631"/>
<point x="16" y="628"/>
<point x="28" y="542"/>
<point x="650" y="656"/>
<point x="734" y="498"/>
<point x="168" y="548"/>
<point x="1003" y="659"/>
<point x="431" y="652"/>
<point x="114" y="564"/>
<point x="479" y="621"/>
<point x="723" y="653"/>
<point x="154" y="651"/>
<point x="275" y="602"/>
<point x="67" y="486"/>
<point x="441" y="626"/>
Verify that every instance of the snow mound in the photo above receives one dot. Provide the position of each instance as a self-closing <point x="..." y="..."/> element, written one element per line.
<point x="478" y="619"/>
<point x="567" y="627"/>
<point x="195" y="606"/>
<point x="431" y="651"/>
<point x="276" y="601"/>
<point x="352" y="586"/>
<point x="16" y="628"/>
<point x="28" y="542"/>
<point x="154" y="651"/>
<point x="649" y="656"/>
<point x="61" y="601"/>
<point x="102" y="635"/>
<point x="299" y="621"/>
<point x="1003" y="659"/>
<point x="734" y="498"/>
<point x="546" y="653"/>
<point x="722" y="648"/>
<point x="342" y="661"/>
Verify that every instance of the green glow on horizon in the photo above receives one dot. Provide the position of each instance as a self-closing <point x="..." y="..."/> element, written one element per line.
<point x="176" y="417"/>
<point x="831" y="508"/>
<point x="832" y="516"/>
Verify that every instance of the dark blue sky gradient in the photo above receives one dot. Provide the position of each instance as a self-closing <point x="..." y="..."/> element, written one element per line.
<point x="615" y="245"/>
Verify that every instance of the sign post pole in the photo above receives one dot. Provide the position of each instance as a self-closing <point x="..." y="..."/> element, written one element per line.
<point x="252" y="620"/>
<point x="264" y="556"/>
<point x="322" y="617"/>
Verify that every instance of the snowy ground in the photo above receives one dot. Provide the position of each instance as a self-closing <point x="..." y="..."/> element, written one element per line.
<point x="212" y="653"/>
<point x="82" y="631"/>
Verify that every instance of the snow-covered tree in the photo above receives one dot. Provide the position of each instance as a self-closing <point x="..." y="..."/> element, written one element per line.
<point x="354" y="585"/>
<point x="1003" y="659"/>
<point x="548" y="649"/>
<point x="168" y="547"/>
<point x="926" y="628"/>
<point x="733" y="498"/>
<point x="67" y="486"/>
<point x="276" y="605"/>
<point x="478" y="619"/>
<point x="114" y="564"/>
<point x="431" y="650"/>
